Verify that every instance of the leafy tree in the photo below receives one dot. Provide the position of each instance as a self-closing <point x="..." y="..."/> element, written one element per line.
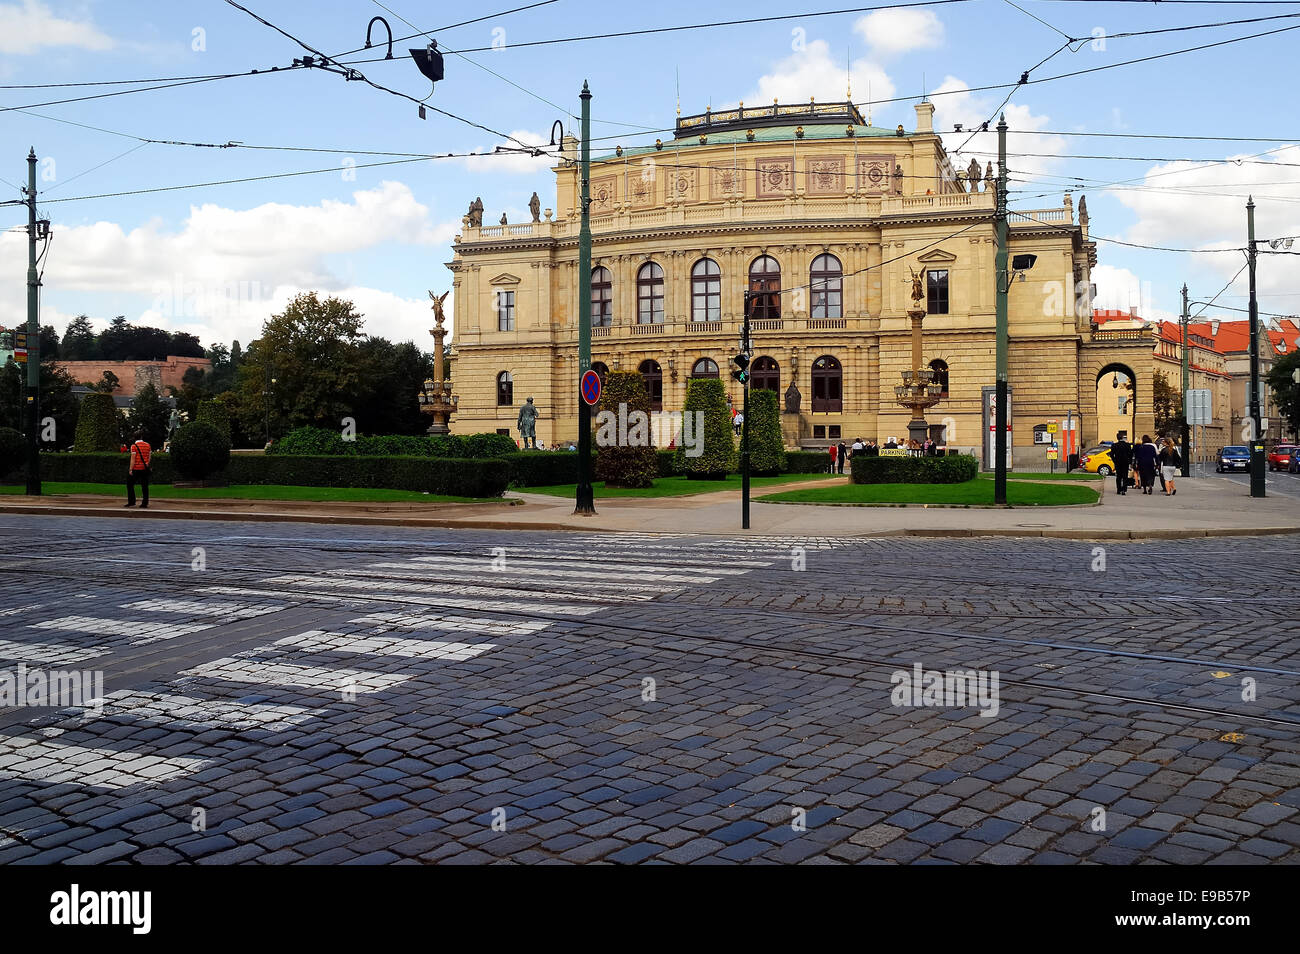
<point x="185" y="345"/>
<point x="57" y="401"/>
<point x="766" y="445"/>
<point x="49" y="343"/>
<point x="216" y="414"/>
<point x="79" y="341"/>
<point x="149" y="415"/>
<point x="106" y="384"/>
<point x="394" y="375"/>
<point x="1166" y="404"/>
<point x="13" y="452"/>
<point x="1286" y="393"/>
<point x="624" y="465"/>
<point x="719" y="452"/>
<point x="113" y="341"/>
<point x="304" y="368"/>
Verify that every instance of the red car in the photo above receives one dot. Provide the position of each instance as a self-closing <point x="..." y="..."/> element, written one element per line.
<point x="1279" y="458"/>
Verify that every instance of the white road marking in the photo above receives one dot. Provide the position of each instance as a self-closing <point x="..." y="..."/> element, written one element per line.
<point x="232" y="669"/>
<point x="48" y="652"/>
<point x="453" y="624"/>
<point x="204" y="608"/>
<point x="187" y="711"/>
<point x="316" y="640"/>
<point x="138" y="632"/>
<point x="56" y="764"/>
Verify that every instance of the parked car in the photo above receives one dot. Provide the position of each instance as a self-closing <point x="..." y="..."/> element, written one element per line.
<point x="1097" y="460"/>
<point x="1232" y="458"/>
<point x="1279" y="458"/>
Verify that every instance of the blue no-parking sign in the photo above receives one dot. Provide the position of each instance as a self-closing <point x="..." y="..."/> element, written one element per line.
<point x="590" y="387"/>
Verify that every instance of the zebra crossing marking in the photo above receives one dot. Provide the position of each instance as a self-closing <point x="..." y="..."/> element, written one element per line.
<point x="316" y="640"/>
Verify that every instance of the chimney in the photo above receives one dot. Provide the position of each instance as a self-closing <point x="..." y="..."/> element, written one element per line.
<point x="925" y="117"/>
<point x="1214" y="327"/>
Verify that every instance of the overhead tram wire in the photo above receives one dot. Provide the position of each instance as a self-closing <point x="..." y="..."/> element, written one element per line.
<point x="262" y="178"/>
<point x="179" y="80"/>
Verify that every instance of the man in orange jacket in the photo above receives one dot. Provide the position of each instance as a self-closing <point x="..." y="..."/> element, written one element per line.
<point x="137" y="469"/>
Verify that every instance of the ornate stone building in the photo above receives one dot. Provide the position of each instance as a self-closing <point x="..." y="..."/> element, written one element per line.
<point x="826" y="218"/>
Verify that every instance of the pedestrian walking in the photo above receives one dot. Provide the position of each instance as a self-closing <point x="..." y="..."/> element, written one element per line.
<point x="138" y="470"/>
<point x="739" y="421"/>
<point x="1170" y="461"/>
<point x="833" y="451"/>
<point x="1121" y="455"/>
<point x="1146" y="460"/>
<point x="842" y="453"/>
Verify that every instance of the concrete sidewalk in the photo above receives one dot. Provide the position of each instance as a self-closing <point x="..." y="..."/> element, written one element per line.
<point x="1204" y="506"/>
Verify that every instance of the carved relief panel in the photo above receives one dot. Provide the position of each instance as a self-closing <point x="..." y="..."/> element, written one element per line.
<point x="875" y="173"/>
<point x="775" y="177"/>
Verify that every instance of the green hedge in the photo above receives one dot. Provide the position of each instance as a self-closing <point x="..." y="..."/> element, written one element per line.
<point x="199" y="450"/>
<point x="670" y="464"/>
<point x="319" y="441"/>
<point x="766" y="446"/>
<point x="99" y="426"/>
<point x="806" y="462"/>
<point x="458" y="478"/>
<point x="718" y="453"/>
<point x="13" y="452"/>
<point x="954" y="469"/>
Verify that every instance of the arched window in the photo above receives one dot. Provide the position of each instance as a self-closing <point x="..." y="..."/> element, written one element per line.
<point x="602" y="297"/>
<point x="706" y="291"/>
<point x="653" y="376"/>
<point x="827" y="285"/>
<point x="650" y="294"/>
<point x="827" y="385"/>
<point x="765" y="284"/>
<point x="705" y="368"/>
<point x="765" y="375"/>
<point x="505" y="389"/>
<point x="940" y="369"/>
<point x="602" y="371"/>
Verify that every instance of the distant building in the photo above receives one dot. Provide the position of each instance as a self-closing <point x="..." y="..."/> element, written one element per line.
<point x="134" y="375"/>
<point x="826" y="218"/>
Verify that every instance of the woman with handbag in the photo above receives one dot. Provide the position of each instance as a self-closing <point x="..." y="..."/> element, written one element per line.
<point x="138" y="470"/>
<point x="1170" y="461"/>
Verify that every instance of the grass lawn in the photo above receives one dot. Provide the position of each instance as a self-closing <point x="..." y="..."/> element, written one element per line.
<point x="973" y="493"/>
<point x="1059" y="475"/>
<point x="251" y="492"/>
<point x="673" y="486"/>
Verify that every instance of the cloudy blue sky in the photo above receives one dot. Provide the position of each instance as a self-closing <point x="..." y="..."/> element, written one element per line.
<point x="216" y="261"/>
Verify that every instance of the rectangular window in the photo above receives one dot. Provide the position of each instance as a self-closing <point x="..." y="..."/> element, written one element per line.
<point x="819" y="432"/>
<point x="937" y="291"/>
<point x="504" y="430"/>
<point x="834" y="432"/>
<point x="505" y="310"/>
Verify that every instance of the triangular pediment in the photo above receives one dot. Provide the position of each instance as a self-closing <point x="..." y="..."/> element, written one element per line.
<point x="938" y="255"/>
<point x="505" y="278"/>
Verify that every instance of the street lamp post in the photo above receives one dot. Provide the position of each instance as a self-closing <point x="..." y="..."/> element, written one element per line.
<point x="586" y="496"/>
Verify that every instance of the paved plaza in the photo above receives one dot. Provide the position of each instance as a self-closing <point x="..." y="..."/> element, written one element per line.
<point x="290" y="693"/>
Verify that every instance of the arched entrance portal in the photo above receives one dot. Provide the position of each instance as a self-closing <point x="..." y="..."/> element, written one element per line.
<point x="1116" y="402"/>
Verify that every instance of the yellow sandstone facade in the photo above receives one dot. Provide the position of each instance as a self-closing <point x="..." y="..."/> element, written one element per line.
<point x="826" y="218"/>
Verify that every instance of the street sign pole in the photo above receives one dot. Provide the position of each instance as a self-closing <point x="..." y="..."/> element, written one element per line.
<point x="1186" y="435"/>
<point x="586" y="496"/>
<point x="1000" y="322"/>
<point x="1256" y="428"/>
<point x="33" y="339"/>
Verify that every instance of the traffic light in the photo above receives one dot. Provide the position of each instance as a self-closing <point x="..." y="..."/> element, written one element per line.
<point x="741" y="374"/>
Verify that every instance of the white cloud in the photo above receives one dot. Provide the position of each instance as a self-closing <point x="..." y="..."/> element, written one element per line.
<point x="954" y="103"/>
<point x="519" y="163"/>
<point x="893" y="32"/>
<point x="813" y="72"/>
<point x="32" y="26"/>
<point x="1191" y="205"/>
<point x="226" y="270"/>
<point x="1119" y="288"/>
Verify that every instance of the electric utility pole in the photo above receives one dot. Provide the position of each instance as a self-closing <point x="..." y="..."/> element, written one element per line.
<point x="33" y="416"/>
<point x="1186" y="436"/>
<point x="1000" y="270"/>
<point x="1256" y="429"/>
<point x="586" y="496"/>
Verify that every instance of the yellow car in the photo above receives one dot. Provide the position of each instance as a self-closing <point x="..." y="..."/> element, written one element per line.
<point x="1097" y="460"/>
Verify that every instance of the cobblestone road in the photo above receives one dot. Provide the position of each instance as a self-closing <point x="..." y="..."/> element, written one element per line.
<point x="305" y="694"/>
